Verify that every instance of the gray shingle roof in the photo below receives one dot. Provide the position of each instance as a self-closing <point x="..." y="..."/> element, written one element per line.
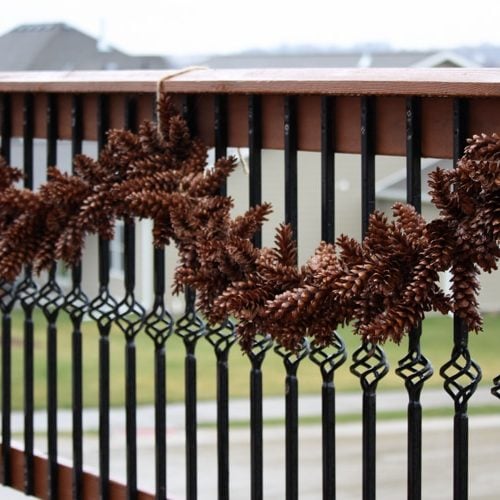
<point x="61" y="47"/>
<point x="376" y="59"/>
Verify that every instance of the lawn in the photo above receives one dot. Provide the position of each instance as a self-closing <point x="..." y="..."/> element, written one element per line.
<point x="436" y="345"/>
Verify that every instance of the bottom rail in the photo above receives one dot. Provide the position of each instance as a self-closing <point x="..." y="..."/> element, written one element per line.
<point x="90" y="481"/>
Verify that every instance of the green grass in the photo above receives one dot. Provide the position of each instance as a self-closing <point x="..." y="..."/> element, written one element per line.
<point x="436" y="345"/>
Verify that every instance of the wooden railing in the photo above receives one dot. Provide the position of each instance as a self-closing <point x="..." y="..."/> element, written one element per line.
<point x="414" y="113"/>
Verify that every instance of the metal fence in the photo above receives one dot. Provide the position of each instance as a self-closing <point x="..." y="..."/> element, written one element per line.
<point x="415" y="114"/>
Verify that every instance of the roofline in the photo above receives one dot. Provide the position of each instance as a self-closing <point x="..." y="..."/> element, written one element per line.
<point x="446" y="55"/>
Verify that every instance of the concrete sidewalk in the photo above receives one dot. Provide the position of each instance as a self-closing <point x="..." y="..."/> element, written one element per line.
<point x="437" y="437"/>
<point x="239" y="410"/>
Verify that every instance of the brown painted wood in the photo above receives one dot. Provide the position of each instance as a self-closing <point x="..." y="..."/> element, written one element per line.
<point x="390" y="125"/>
<point x="90" y="480"/>
<point x="347" y="125"/>
<point x="237" y="110"/>
<point x="90" y="117"/>
<point x="390" y="109"/>
<point x="309" y="126"/>
<point x="272" y="122"/>
<point x="65" y="104"/>
<point x="17" y="106"/>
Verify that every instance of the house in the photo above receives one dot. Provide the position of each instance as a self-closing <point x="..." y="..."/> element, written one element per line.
<point x="42" y="47"/>
<point x="355" y="59"/>
<point x="57" y="46"/>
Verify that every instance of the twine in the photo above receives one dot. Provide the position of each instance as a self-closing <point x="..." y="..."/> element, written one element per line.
<point x="243" y="163"/>
<point x="179" y="72"/>
<point x="183" y="71"/>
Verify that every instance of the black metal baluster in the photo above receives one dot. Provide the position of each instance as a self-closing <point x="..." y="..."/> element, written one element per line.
<point x="220" y="129"/>
<point x="290" y="128"/>
<point x="50" y="300"/>
<point x="6" y="127"/>
<point x="328" y="359"/>
<point x="291" y="361"/>
<point x="190" y="328"/>
<point x="367" y="161"/>
<point x="159" y="325"/>
<point x="130" y="319"/>
<point x="255" y="156"/>
<point x="76" y="305"/>
<point x="257" y="355"/>
<point x="102" y="309"/>
<point x="222" y="336"/>
<point x="327" y="171"/>
<point x="369" y="361"/>
<point x="462" y="374"/>
<point x="262" y="344"/>
<point x="7" y="301"/>
<point x="414" y="368"/>
<point x="27" y="293"/>
<point x="188" y="105"/>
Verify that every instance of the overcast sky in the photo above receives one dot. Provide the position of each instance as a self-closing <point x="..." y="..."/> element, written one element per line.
<point x="183" y="27"/>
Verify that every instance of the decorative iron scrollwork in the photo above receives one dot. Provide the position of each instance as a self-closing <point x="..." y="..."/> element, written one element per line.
<point x="103" y="308"/>
<point x="462" y="375"/>
<point x="76" y="304"/>
<point x="370" y="365"/>
<point x="292" y="359"/>
<point x="414" y="369"/>
<point x="50" y="299"/>
<point x="221" y="336"/>
<point x="159" y="323"/>
<point x="330" y="357"/>
<point x="129" y="316"/>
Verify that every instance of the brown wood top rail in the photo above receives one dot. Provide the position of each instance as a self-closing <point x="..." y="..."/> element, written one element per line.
<point x="453" y="82"/>
<point x="437" y="88"/>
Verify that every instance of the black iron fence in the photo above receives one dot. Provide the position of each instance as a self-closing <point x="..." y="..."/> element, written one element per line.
<point x="417" y="115"/>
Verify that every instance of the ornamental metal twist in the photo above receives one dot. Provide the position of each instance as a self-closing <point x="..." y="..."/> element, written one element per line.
<point x="369" y="365"/>
<point x="190" y="327"/>
<point x="129" y="316"/>
<point x="221" y="336"/>
<point x="50" y="299"/>
<point x="330" y="357"/>
<point x="159" y="323"/>
<point x="260" y="345"/>
<point x="103" y="308"/>
<point x="76" y="303"/>
<point x="7" y="296"/>
<point x="292" y="359"/>
<point x="27" y="291"/>
<point x="495" y="390"/>
<point x="462" y="375"/>
<point x="414" y="369"/>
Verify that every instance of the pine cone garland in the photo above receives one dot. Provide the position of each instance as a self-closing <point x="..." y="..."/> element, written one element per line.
<point x="383" y="285"/>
